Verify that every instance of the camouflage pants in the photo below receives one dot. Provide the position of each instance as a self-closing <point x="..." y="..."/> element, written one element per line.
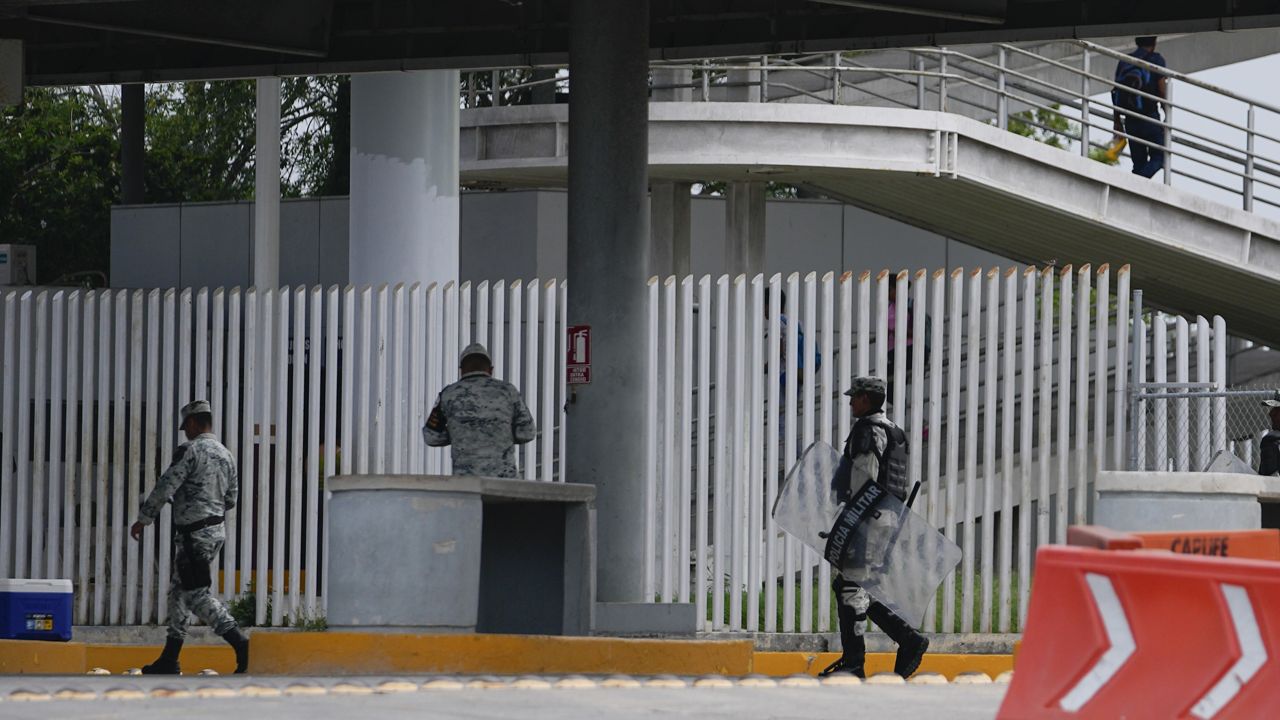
<point x="851" y="595"/>
<point x="190" y="586"/>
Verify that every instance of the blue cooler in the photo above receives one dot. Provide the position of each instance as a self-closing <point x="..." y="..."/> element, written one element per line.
<point x="35" y="609"/>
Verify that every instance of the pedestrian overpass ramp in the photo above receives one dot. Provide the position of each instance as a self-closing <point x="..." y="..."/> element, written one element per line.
<point x="943" y="172"/>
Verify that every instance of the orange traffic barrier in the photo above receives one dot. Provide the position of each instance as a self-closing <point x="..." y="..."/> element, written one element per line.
<point x="1256" y="544"/>
<point x="1148" y="635"/>
<point x="1101" y="538"/>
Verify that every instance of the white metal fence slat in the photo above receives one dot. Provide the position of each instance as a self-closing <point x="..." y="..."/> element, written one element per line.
<point x="8" y="411"/>
<point x="69" y="427"/>
<point x="247" y="466"/>
<point x="721" y="527"/>
<point x="805" y="382"/>
<point x="1044" y="385"/>
<point x="40" y="387"/>
<point x="314" y="457"/>
<point x="266" y="430"/>
<point x="22" y="498"/>
<point x="777" y="424"/>
<point x="1025" y="427"/>
<point x="1065" y="298"/>
<point x="1083" y="335"/>
<point x="971" y="425"/>
<point x="133" y="498"/>
<point x="1008" y="419"/>
<point x="704" y="439"/>
<point x="231" y="430"/>
<point x="685" y="487"/>
<point x="955" y="337"/>
<point x="530" y="383"/>
<point x="990" y="411"/>
<point x="279" y="477"/>
<point x="653" y="467"/>
<point x="297" y="369"/>
<point x="119" y="396"/>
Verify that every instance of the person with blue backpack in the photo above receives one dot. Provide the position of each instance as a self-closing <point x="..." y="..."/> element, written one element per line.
<point x="1138" y="115"/>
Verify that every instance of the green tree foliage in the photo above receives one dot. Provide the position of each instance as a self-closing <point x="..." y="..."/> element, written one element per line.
<point x="59" y="175"/>
<point x="1053" y="128"/>
<point x="60" y="157"/>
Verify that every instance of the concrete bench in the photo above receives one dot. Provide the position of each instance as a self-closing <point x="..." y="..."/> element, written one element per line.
<point x="461" y="554"/>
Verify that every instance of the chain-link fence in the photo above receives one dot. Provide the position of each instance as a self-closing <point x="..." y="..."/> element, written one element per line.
<point x="1186" y="426"/>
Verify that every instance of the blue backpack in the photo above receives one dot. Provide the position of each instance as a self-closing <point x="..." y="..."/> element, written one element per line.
<point x="1133" y="79"/>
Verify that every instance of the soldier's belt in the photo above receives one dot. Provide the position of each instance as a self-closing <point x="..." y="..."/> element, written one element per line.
<point x="198" y="525"/>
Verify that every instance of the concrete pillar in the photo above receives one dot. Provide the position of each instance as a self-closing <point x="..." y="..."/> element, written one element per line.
<point x="669" y="218"/>
<point x="744" y="85"/>
<point x="608" y="256"/>
<point x="133" y="127"/>
<point x="744" y="228"/>
<point x="404" y="178"/>
<point x="544" y="94"/>
<point x="665" y="78"/>
<point x="266" y="186"/>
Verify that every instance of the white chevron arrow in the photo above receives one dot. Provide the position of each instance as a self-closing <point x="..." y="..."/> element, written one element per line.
<point x="1121" y="646"/>
<point x="1253" y="654"/>
<point x="1119" y="637"/>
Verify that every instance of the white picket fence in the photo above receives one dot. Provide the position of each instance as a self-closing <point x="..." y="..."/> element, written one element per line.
<point x="1017" y="398"/>
<point x="1020" y="396"/>
<point x="305" y="383"/>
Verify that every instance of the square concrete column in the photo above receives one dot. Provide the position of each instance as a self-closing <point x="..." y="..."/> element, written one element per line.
<point x="744" y="228"/>
<point x="608" y="258"/>
<point x="266" y="186"/>
<point x="404" y="204"/>
<point x="669" y="217"/>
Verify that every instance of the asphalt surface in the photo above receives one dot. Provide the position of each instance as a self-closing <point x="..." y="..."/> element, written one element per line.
<point x="525" y="698"/>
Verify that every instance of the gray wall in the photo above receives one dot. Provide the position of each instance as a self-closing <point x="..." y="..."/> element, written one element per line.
<point x="505" y="235"/>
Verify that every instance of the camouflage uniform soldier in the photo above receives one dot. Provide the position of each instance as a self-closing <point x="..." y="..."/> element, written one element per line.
<point x="482" y="417"/>
<point x="875" y="451"/>
<point x="201" y="482"/>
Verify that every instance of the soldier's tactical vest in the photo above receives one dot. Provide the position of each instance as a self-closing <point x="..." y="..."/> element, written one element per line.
<point x="893" y="461"/>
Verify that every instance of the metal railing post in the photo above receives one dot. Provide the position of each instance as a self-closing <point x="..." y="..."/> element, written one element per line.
<point x="835" y="78"/>
<point x="1084" y="105"/>
<point x="1168" y="134"/>
<point x="1002" y="97"/>
<point x="471" y="90"/>
<point x="942" y="81"/>
<point x="706" y="81"/>
<point x="1248" y="163"/>
<point x="764" y="78"/>
<point x="920" y="82"/>
<point x="495" y="86"/>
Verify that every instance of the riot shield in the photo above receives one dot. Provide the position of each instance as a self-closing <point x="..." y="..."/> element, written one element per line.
<point x="872" y="538"/>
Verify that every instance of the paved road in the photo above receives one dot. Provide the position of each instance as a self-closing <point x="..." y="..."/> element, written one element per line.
<point x="139" y="698"/>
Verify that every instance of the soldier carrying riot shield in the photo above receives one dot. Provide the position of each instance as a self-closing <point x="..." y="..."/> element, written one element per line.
<point x="854" y="509"/>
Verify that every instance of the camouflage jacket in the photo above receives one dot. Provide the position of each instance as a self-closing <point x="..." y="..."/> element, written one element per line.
<point x="483" y="418"/>
<point x="201" y="481"/>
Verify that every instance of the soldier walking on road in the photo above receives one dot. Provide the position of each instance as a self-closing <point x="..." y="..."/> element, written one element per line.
<point x="876" y="451"/>
<point x="201" y="482"/>
<point x="482" y="417"/>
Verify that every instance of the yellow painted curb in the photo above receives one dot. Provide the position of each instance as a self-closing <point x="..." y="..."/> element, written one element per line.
<point x="42" y="658"/>
<point x="784" y="664"/>
<point x="339" y="653"/>
<point x="73" y="658"/>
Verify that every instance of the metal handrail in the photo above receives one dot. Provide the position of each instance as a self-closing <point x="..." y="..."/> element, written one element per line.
<point x="1204" y="159"/>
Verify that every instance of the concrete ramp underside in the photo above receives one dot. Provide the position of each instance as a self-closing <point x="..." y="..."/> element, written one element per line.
<point x="945" y="173"/>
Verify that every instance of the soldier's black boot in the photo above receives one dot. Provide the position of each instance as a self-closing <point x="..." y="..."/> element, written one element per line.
<point x="240" y="644"/>
<point x="853" y="659"/>
<point x="167" y="663"/>
<point x="911" y="644"/>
